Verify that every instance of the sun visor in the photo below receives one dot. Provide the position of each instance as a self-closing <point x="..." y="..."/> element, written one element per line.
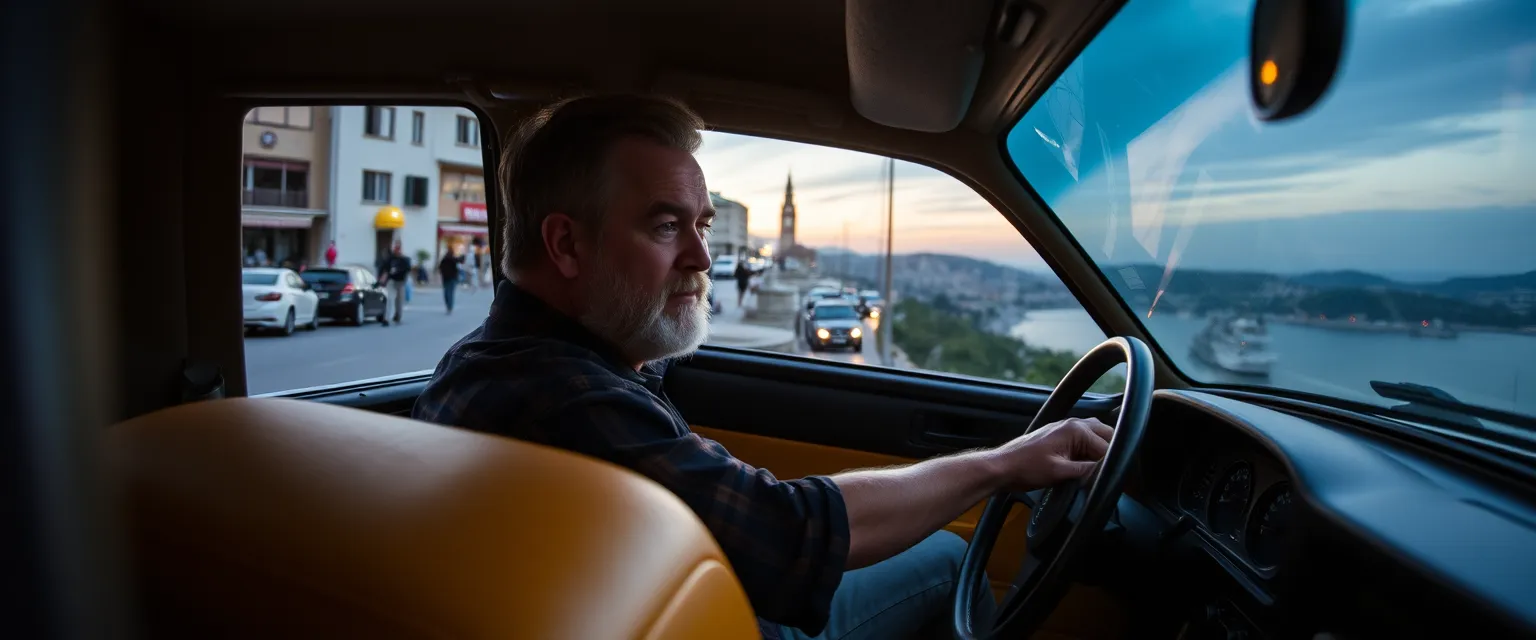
<point x="914" y="64"/>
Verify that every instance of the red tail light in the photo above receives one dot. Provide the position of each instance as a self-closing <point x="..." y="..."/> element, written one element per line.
<point x="270" y="297"/>
<point x="349" y="288"/>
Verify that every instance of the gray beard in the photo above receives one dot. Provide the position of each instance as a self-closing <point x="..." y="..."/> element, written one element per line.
<point x="637" y="323"/>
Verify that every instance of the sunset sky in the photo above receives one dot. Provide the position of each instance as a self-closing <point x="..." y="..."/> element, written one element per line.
<point x="1419" y="161"/>
<point x="934" y="212"/>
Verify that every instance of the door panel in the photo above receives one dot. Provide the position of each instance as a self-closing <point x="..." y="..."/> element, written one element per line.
<point x="789" y="459"/>
<point x="797" y="418"/>
<point x="907" y="414"/>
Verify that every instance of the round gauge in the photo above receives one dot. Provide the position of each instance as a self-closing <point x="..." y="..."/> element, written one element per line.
<point x="1196" y="488"/>
<point x="1231" y="499"/>
<point x="1271" y="522"/>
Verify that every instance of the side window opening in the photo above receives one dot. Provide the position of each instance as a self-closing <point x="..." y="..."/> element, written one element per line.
<point x="799" y="227"/>
<point x="968" y="295"/>
<point x="309" y="204"/>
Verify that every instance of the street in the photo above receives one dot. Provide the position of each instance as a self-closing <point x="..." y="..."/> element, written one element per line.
<point x="343" y="353"/>
<point x="870" y="354"/>
<point x="338" y="353"/>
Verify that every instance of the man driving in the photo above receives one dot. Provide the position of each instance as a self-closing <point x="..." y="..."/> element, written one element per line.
<point x="606" y="222"/>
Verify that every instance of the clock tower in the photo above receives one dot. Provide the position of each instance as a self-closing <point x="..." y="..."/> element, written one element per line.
<point x="787" y="226"/>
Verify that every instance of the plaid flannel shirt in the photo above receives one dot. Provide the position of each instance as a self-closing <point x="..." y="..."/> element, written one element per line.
<point x="532" y="373"/>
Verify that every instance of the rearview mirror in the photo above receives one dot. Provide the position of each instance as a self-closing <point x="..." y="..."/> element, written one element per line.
<point x="1294" y="52"/>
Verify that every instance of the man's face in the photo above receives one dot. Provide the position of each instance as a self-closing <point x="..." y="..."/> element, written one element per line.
<point x="644" y="281"/>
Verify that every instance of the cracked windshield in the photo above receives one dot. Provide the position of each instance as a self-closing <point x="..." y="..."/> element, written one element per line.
<point x="367" y="254"/>
<point x="1384" y="237"/>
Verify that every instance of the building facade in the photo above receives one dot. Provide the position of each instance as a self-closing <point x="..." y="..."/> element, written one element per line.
<point x="411" y="175"/>
<point x="462" y="216"/>
<point x="285" y="212"/>
<point x="729" y="232"/>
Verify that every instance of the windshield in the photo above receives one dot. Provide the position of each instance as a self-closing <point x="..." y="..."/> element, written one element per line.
<point x="836" y="312"/>
<point x="313" y="276"/>
<point x="1386" y="235"/>
<point x="258" y="278"/>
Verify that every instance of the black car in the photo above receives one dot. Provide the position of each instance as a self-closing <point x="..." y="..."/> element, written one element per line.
<point x="834" y="323"/>
<point x="348" y="293"/>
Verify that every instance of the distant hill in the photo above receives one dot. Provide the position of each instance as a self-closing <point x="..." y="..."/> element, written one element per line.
<point x="1239" y="281"/>
<point x="1471" y="286"/>
<point x="1507" y="301"/>
<point x="1502" y="300"/>
<point x="926" y="266"/>
<point x="1341" y="279"/>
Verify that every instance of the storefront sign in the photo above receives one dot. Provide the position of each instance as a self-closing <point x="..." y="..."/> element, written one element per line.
<point x="473" y="212"/>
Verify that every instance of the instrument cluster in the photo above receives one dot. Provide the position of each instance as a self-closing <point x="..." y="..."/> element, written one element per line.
<point x="1244" y="501"/>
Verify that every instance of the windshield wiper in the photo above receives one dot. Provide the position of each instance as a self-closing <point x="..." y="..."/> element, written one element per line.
<point x="1435" y="403"/>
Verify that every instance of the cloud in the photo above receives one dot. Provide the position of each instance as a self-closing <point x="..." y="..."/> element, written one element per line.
<point x="1427" y="128"/>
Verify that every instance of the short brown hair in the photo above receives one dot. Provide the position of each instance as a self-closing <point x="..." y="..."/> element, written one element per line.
<point x="555" y="162"/>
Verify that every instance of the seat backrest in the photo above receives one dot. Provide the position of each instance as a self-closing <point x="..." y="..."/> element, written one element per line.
<point x="285" y="518"/>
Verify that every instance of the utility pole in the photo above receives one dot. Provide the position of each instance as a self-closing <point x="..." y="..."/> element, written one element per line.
<point x="846" y="275"/>
<point x="887" y="323"/>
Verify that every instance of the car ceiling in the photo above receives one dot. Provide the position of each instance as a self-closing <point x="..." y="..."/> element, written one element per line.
<point x="910" y="55"/>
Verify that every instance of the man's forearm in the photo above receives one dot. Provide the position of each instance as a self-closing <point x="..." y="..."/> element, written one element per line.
<point x="892" y="509"/>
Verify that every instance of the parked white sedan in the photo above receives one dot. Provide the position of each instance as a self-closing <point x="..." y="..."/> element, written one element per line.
<point x="278" y="299"/>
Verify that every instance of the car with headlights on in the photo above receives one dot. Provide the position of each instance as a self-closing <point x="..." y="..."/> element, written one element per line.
<point x="833" y="322"/>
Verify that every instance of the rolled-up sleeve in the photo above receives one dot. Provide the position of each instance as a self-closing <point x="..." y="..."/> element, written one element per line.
<point x="786" y="540"/>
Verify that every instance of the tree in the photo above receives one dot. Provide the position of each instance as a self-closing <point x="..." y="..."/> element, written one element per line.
<point x="950" y="342"/>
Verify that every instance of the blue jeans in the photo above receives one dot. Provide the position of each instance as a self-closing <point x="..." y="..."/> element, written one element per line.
<point x="449" y="287"/>
<point x="908" y="595"/>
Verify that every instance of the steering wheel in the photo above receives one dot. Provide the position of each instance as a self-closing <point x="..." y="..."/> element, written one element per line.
<point x="1062" y="518"/>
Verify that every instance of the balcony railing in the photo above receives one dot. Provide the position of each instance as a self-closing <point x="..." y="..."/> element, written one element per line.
<point x="276" y="198"/>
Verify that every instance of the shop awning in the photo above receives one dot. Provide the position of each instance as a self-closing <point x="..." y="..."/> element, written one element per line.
<point x="389" y="218"/>
<point x="450" y="229"/>
<point x="276" y="221"/>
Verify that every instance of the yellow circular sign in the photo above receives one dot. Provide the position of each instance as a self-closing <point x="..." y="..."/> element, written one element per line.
<point x="389" y="218"/>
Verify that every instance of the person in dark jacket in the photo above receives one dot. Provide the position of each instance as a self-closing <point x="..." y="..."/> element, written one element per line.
<point x="743" y="278"/>
<point x="449" y="270"/>
<point x="396" y="274"/>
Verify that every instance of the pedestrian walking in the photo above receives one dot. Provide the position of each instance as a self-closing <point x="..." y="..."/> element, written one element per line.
<point x="330" y="254"/>
<point x="448" y="268"/>
<point x="743" y="278"/>
<point x="477" y="248"/>
<point x="396" y="274"/>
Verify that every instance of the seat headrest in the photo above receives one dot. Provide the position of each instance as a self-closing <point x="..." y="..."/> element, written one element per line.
<point x="285" y="518"/>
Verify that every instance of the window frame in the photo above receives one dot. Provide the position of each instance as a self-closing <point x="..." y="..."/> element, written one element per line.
<point x="425" y="188"/>
<point x="388" y="186"/>
<point x="466" y="131"/>
<point x="490" y="150"/>
<point x="418" y="128"/>
<point x="368" y="112"/>
<point x="253" y="117"/>
<point x="1053" y="265"/>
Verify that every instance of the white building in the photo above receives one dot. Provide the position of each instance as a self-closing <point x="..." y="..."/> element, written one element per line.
<point x="729" y="237"/>
<point x="411" y="175"/>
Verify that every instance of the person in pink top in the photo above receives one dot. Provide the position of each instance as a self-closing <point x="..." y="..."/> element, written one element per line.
<point x="330" y="254"/>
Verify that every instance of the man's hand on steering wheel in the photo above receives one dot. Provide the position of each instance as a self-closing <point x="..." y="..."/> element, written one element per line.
<point x="1044" y="467"/>
<point x="1063" y="450"/>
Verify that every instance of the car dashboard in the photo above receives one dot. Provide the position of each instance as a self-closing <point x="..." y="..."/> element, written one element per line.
<point x="1271" y="522"/>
